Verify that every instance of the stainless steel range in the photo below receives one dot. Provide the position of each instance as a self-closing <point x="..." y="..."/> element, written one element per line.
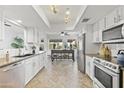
<point x="106" y="74"/>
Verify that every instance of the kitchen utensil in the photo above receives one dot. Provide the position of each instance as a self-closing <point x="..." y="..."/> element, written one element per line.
<point x="120" y="57"/>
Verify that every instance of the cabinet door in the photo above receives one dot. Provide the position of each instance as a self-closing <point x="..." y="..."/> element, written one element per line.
<point x="28" y="70"/>
<point x="36" y="36"/>
<point x="121" y="12"/>
<point x="87" y="66"/>
<point x="1" y="26"/>
<point x="41" y="61"/>
<point x="1" y="30"/>
<point x="91" y="68"/>
<point x="36" y="65"/>
<point x="96" y="32"/>
<point x="13" y="75"/>
<point x="102" y="24"/>
<point x="111" y="19"/>
<point x="30" y="35"/>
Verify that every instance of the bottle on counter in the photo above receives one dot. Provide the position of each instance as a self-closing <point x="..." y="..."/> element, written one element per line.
<point x="102" y="50"/>
<point x="7" y="56"/>
<point x="107" y="53"/>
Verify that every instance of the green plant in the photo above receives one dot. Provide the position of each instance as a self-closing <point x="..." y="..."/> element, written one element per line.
<point x="18" y="43"/>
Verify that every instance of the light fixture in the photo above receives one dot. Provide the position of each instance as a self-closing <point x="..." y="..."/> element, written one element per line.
<point x="54" y="9"/>
<point x="67" y="16"/>
<point x="64" y="34"/>
<point x="19" y="21"/>
<point x="67" y="11"/>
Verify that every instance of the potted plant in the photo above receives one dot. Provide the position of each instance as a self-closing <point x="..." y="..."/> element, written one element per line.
<point x="18" y="43"/>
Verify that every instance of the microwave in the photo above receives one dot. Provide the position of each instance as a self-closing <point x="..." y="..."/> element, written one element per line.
<point x="114" y="33"/>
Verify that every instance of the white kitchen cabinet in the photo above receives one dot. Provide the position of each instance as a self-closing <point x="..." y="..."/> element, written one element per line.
<point x="32" y="66"/>
<point x="101" y="28"/>
<point x="1" y="27"/>
<point x="41" y="61"/>
<point x="36" y="64"/>
<point x="28" y="70"/>
<point x="121" y="12"/>
<point x="31" y="35"/>
<point x="36" y="35"/>
<point x="13" y="75"/>
<point x="116" y="16"/>
<point x="119" y="16"/>
<point x="102" y="24"/>
<point x="96" y="32"/>
<point x="89" y="67"/>
<point x="111" y="19"/>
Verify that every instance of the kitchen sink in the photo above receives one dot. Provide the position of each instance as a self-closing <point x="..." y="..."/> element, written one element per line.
<point x="25" y="55"/>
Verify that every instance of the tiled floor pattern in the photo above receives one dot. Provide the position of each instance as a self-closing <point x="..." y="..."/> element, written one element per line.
<point x="60" y="74"/>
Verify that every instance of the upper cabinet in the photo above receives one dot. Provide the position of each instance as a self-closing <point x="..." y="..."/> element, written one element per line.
<point x="31" y="35"/>
<point x="98" y="27"/>
<point x="102" y="24"/>
<point x="96" y="32"/>
<point x="110" y="19"/>
<point x="1" y="26"/>
<point x="114" y="18"/>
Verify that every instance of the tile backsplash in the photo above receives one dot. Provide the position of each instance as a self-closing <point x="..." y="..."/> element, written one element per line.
<point x="115" y="47"/>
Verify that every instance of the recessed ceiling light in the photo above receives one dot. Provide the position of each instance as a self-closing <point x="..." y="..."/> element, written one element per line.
<point x="20" y="21"/>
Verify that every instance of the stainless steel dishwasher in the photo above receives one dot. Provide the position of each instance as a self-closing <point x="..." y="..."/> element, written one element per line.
<point x="12" y="76"/>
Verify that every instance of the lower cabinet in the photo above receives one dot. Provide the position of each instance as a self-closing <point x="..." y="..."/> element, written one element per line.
<point x="33" y="66"/>
<point x="89" y="67"/>
<point x="28" y="70"/>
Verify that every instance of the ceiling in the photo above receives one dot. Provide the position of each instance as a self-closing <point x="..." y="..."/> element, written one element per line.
<point x="95" y="12"/>
<point x="58" y="18"/>
<point x="78" y="13"/>
<point x="56" y="21"/>
<point x="42" y="17"/>
<point x="25" y="13"/>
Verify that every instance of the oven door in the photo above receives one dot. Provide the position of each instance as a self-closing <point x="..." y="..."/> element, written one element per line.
<point x="105" y="78"/>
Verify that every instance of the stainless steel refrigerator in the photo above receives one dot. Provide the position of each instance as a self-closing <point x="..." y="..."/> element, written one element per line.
<point x="81" y="53"/>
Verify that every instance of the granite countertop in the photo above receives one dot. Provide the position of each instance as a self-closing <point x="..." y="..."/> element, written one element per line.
<point x="113" y="59"/>
<point x="12" y="60"/>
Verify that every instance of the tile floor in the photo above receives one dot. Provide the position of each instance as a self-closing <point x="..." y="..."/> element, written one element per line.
<point x="60" y="74"/>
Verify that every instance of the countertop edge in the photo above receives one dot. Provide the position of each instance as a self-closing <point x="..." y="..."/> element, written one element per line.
<point x="21" y="59"/>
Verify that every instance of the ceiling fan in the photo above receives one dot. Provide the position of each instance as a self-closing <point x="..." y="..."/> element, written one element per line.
<point x="64" y="34"/>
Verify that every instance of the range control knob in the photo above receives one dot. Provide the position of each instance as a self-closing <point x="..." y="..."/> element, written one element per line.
<point x="114" y="67"/>
<point x="110" y="65"/>
<point x="106" y="64"/>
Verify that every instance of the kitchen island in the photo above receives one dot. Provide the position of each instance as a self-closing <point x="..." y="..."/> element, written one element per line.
<point x="62" y="54"/>
<point x="18" y="71"/>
